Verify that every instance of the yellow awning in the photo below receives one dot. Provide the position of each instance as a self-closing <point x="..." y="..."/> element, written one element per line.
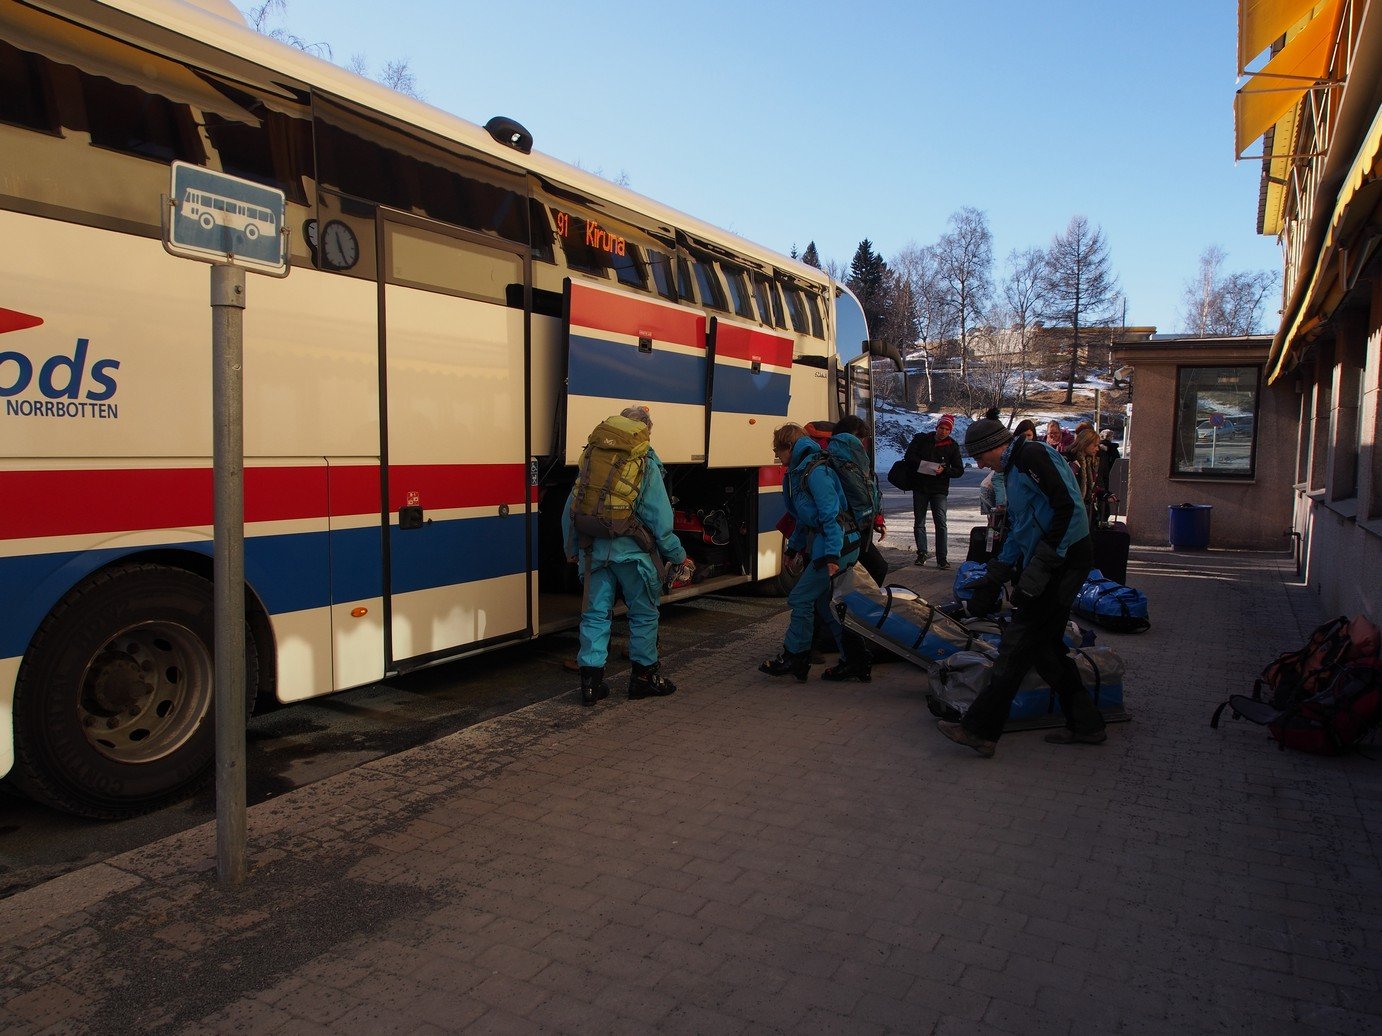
<point x="1281" y="83"/>
<point x="1262" y="22"/>
<point x="98" y="55"/>
<point x="1277" y="173"/>
<point x="1355" y="206"/>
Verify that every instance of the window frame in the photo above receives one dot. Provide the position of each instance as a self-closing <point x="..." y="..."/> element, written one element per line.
<point x="1177" y="471"/>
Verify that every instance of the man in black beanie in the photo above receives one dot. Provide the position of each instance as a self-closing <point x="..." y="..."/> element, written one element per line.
<point x="1048" y="533"/>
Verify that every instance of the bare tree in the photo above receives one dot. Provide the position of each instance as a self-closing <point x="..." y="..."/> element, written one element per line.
<point x="1078" y="284"/>
<point x="259" y="18"/>
<point x="919" y="269"/>
<point x="1214" y="304"/>
<point x="965" y="257"/>
<point x="396" y="75"/>
<point x="1024" y="291"/>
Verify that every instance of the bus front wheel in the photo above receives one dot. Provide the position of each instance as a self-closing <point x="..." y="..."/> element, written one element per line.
<point x="114" y="705"/>
<point x="207" y="221"/>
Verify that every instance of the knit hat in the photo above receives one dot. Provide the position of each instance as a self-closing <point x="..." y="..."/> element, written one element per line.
<point x="946" y="420"/>
<point x="984" y="435"/>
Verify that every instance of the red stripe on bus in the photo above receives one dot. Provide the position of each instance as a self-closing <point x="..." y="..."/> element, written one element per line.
<point x="621" y="314"/>
<point x="70" y="503"/>
<point x="770" y="477"/>
<point x="743" y="343"/>
<point x="13" y="320"/>
<point x="439" y="486"/>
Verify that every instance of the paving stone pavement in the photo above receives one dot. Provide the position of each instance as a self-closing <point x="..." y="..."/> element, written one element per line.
<point x="753" y="855"/>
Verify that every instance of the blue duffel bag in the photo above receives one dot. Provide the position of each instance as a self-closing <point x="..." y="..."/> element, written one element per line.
<point x="1112" y="605"/>
<point x="970" y="573"/>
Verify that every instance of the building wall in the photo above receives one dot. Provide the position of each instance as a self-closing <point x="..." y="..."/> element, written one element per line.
<point x="1253" y="514"/>
<point x="1338" y="483"/>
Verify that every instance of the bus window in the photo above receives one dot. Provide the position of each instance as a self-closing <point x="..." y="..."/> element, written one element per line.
<point x="125" y="118"/>
<point x="369" y="159"/>
<point x="769" y="302"/>
<point x="23" y="101"/>
<point x="425" y="259"/>
<point x="739" y="298"/>
<point x="813" y="313"/>
<point x="684" y="290"/>
<point x="629" y="267"/>
<point x="276" y="152"/>
<point x="796" y="309"/>
<point x="661" y="265"/>
<point x="712" y="296"/>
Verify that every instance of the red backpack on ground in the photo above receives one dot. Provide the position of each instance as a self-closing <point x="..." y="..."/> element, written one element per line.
<point x="1324" y="698"/>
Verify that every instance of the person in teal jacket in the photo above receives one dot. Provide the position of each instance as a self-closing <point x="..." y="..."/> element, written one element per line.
<point x="620" y="564"/>
<point x="818" y="543"/>
<point x="1048" y="536"/>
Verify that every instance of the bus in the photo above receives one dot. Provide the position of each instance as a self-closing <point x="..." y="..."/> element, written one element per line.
<point x="461" y="312"/>
<point x="212" y="210"/>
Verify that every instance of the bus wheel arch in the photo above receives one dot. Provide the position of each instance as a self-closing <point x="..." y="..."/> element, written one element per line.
<point x="114" y="704"/>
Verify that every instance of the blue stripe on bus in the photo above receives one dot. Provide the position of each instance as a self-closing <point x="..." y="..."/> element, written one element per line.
<point x="739" y="390"/>
<point x="771" y="508"/>
<point x="290" y="573"/>
<point x="616" y="370"/>
<point x="445" y="553"/>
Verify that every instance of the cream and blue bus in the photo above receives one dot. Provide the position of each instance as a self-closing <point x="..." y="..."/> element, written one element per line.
<point x="460" y="313"/>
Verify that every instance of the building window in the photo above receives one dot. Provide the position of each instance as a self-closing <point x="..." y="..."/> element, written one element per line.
<point x="1216" y="422"/>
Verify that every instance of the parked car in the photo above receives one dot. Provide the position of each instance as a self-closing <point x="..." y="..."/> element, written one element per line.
<point x="1206" y="430"/>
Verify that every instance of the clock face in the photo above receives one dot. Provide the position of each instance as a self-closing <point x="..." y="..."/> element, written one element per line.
<point x="340" y="250"/>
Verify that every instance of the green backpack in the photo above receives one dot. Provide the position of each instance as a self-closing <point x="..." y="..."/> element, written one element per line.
<point x="610" y="477"/>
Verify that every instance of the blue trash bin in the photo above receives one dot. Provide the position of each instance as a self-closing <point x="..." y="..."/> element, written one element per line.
<point x="1189" y="526"/>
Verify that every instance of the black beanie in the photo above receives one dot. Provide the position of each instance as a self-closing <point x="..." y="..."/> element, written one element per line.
<point x="984" y="435"/>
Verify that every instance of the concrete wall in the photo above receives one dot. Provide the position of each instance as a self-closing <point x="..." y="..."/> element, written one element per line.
<point x="1249" y="514"/>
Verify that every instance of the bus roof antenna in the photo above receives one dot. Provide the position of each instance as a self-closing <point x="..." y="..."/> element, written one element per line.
<point x="510" y="133"/>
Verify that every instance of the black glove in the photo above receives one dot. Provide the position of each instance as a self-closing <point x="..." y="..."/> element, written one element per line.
<point x="1037" y="575"/>
<point x="988" y="589"/>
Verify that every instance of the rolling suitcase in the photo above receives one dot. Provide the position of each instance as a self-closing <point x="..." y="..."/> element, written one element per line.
<point x="978" y="544"/>
<point x="1111" y="551"/>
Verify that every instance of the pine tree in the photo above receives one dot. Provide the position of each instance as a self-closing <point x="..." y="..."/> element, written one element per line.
<point x="1079" y="285"/>
<point x="868" y="280"/>
<point x="811" y="257"/>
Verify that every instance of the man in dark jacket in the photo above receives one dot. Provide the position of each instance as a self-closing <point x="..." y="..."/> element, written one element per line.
<point x="935" y="457"/>
<point x="1048" y="537"/>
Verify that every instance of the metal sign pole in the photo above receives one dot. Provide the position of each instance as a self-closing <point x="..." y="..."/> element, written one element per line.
<point x="228" y="456"/>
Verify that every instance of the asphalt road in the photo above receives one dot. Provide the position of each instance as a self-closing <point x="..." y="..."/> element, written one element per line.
<point x="296" y="745"/>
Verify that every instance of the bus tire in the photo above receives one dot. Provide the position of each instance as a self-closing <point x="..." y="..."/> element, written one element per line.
<point x="779" y="585"/>
<point x="114" y="709"/>
<point x="207" y="221"/>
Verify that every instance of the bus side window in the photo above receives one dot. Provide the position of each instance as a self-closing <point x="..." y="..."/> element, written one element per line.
<point x="629" y="267"/>
<point x="661" y="265"/>
<point x="23" y="99"/>
<point x="813" y="313"/>
<point x="712" y="296"/>
<point x="739" y="298"/>
<point x="796" y="309"/>
<point x="124" y="118"/>
<point x="684" y="290"/>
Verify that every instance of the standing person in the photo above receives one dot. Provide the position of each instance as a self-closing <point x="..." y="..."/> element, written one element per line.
<point x="631" y="565"/>
<point x="935" y="457"/>
<point x="1083" y="458"/>
<point x="819" y="544"/>
<point x="869" y="555"/>
<point x="1026" y="429"/>
<point x="1058" y="438"/>
<point x="1108" y="457"/>
<point x="1049" y="534"/>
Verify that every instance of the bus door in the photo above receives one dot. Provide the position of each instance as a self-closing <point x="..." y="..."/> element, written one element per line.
<point x="624" y="349"/>
<point x="457" y="513"/>
<point x="855" y="388"/>
<point x="750" y="388"/>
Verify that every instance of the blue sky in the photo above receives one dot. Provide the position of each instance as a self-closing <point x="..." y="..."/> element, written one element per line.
<point x="834" y="122"/>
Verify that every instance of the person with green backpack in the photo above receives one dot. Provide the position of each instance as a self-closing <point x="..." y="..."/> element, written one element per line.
<point x="618" y="525"/>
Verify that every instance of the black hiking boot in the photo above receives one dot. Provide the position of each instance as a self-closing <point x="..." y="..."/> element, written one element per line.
<point x="788" y="663"/>
<point x="647" y="682"/>
<point x="593" y="686"/>
<point x="855" y="664"/>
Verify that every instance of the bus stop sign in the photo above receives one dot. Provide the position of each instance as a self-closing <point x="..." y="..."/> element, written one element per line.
<point x="218" y="218"/>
